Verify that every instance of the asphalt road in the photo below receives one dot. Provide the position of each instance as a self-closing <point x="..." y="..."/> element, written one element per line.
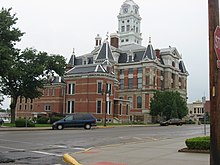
<point x="48" y="146"/>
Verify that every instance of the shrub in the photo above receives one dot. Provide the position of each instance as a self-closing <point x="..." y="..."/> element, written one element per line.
<point x="199" y="143"/>
<point x="190" y="122"/>
<point x="24" y="123"/>
<point x="42" y="120"/>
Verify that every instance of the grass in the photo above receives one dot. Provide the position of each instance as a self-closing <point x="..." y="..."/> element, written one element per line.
<point x="36" y="125"/>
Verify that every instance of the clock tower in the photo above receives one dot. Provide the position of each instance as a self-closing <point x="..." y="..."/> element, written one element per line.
<point x="129" y="21"/>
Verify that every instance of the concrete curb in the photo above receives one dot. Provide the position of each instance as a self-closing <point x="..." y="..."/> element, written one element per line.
<point x="4" y="128"/>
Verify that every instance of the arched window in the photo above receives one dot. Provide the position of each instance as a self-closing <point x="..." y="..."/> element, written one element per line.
<point x="139" y="102"/>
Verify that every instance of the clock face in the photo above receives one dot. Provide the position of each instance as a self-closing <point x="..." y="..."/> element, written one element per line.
<point x="125" y="10"/>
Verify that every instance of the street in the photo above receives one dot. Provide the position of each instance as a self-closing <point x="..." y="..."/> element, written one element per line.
<point x="48" y="146"/>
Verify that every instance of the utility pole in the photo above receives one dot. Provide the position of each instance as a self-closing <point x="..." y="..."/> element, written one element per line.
<point x="213" y="11"/>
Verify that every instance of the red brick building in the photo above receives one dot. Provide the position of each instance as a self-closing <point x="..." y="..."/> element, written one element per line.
<point x="117" y="79"/>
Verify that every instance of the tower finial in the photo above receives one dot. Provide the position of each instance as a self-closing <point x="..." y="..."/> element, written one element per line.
<point x="107" y="35"/>
<point x="149" y="40"/>
<point x="73" y="51"/>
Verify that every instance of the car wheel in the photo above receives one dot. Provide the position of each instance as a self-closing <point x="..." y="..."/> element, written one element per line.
<point x="60" y="126"/>
<point x="87" y="126"/>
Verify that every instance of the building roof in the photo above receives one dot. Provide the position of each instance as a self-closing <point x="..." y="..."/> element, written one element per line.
<point x="82" y="69"/>
<point x="105" y="53"/>
<point x="149" y="53"/>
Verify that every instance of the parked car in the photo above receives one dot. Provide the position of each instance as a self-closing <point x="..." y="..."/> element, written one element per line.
<point x="1" y="121"/>
<point x="172" y="122"/>
<point x="75" y="120"/>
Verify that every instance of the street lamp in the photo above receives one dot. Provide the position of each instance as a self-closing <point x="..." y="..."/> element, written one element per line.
<point x="106" y="93"/>
<point x="203" y="101"/>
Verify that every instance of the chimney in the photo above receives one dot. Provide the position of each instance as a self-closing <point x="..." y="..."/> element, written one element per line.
<point x="114" y="40"/>
<point x="157" y="53"/>
<point x="98" y="40"/>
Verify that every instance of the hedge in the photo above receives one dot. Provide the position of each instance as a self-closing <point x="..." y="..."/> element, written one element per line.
<point x="198" y="143"/>
<point x="24" y="123"/>
<point x="42" y="120"/>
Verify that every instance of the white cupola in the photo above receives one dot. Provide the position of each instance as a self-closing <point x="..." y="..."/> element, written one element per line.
<point x="129" y="22"/>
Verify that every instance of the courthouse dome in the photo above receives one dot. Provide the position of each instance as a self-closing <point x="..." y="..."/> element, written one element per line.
<point x="129" y="6"/>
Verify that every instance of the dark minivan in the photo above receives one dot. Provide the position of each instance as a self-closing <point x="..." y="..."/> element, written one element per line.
<point x="75" y="120"/>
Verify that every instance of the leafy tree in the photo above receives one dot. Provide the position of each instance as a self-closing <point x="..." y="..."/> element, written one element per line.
<point x="24" y="72"/>
<point x="9" y="35"/>
<point x="168" y="105"/>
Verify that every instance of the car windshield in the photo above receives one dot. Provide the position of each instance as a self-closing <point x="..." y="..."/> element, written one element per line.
<point x="69" y="117"/>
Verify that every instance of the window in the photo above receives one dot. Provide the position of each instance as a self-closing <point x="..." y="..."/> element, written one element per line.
<point x="140" y="70"/>
<point x="129" y="58"/>
<point x="130" y="83"/>
<point x="109" y="88"/>
<point x="154" y="81"/>
<point x="120" y="109"/>
<point x="139" y="102"/>
<point x="31" y="107"/>
<point x="136" y="29"/>
<point x="131" y="102"/>
<point x="99" y="87"/>
<point x="127" y="40"/>
<point x="109" y="108"/>
<point x="26" y="100"/>
<point x="139" y="82"/>
<point x="121" y="71"/>
<point x="147" y="80"/>
<point x="130" y="71"/>
<point x="127" y="108"/>
<point x="122" y="84"/>
<point x="20" y="99"/>
<point x="122" y="28"/>
<point x="47" y="108"/>
<point x="99" y="107"/>
<point x="70" y="107"/>
<point x="71" y="89"/>
<point x="128" y="28"/>
<point x="20" y="107"/>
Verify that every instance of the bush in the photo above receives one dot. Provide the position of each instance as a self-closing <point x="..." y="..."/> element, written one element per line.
<point x="53" y="119"/>
<point x="23" y="123"/>
<point x="42" y="120"/>
<point x="198" y="143"/>
<point x="190" y="122"/>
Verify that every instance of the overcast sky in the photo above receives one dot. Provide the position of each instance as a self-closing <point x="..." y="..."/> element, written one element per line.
<point x="58" y="26"/>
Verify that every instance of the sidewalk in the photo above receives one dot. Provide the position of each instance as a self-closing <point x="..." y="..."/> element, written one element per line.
<point x="152" y="152"/>
<point x="5" y="128"/>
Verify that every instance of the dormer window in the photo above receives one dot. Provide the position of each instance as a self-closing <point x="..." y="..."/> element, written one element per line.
<point x="129" y="58"/>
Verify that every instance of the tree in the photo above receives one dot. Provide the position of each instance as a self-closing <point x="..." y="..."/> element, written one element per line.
<point x="168" y="105"/>
<point x="9" y="35"/>
<point x="23" y="72"/>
